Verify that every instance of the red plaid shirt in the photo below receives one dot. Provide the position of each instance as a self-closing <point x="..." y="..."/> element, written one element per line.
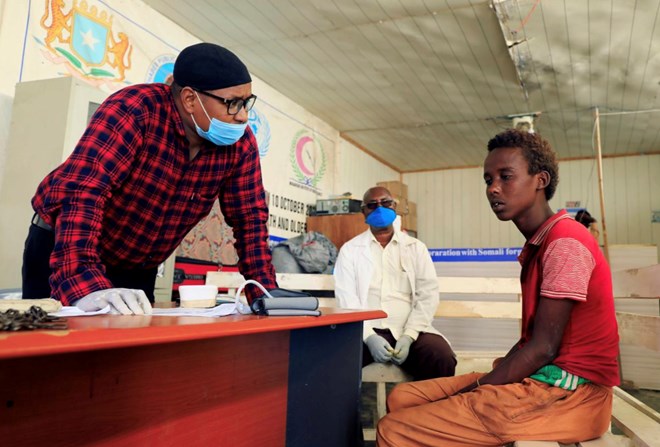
<point x="128" y="194"/>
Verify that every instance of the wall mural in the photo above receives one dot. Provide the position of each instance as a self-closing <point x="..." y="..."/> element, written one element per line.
<point x="82" y="41"/>
<point x="261" y="129"/>
<point x="161" y="68"/>
<point x="308" y="161"/>
<point x="211" y="240"/>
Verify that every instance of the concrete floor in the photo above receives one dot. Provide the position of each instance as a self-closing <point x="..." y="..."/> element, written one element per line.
<point x="649" y="397"/>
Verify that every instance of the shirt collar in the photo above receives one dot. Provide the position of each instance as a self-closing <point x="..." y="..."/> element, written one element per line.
<point x="543" y="231"/>
<point x="395" y="237"/>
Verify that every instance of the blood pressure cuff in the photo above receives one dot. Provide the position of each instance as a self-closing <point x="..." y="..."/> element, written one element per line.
<point x="286" y="303"/>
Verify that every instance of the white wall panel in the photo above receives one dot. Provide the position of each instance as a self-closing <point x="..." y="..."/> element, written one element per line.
<point x="452" y="209"/>
<point x="632" y="192"/>
<point x="357" y="171"/>
<point x="10" y="32"/>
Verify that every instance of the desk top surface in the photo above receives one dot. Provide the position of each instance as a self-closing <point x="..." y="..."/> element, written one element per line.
<point x="117" y="331"/>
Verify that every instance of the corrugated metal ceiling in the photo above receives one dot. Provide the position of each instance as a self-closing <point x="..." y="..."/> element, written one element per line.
<point x="423" y="84"/>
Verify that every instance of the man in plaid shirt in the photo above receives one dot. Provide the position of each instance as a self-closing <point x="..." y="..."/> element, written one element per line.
<point x="150" y="165"/>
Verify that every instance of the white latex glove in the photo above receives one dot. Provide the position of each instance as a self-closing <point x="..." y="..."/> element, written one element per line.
<point x="380" y="348"/>
<point x="121" y="301"/>
<point x="402" y="349"/>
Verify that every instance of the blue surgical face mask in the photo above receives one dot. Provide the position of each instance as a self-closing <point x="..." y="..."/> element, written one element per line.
<point x="381" y="217"/>
<point x="219" y="133"/>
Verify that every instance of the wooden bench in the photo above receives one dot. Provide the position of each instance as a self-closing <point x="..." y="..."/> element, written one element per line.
<point x="636" y="294"/>
<point x="640" y="424"/>
<point x="607" y="440"/>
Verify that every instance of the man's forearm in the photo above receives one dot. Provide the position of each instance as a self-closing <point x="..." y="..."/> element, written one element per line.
<point x="516" y="366"/>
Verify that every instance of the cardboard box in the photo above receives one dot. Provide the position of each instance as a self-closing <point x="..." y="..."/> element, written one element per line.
<point x="396" y="188"/>
<point x="405" y="207"/>
<point x="412" y="208"/>
<point x="401" y="206"/>
<point x="409" y="222"/>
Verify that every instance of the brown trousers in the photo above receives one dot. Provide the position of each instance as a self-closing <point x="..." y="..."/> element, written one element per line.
<point x="427" y="413"/>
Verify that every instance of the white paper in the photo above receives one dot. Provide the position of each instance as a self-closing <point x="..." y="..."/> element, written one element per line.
<point x="73" y="311"/>
<point x="217" y="311"/>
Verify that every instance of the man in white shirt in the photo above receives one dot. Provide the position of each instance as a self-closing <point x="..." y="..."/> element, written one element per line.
<point x="386" y="269"/>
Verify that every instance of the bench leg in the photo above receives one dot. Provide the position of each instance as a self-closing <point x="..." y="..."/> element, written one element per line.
<point x="381" y="401"/>
<point x="381" y="410"/>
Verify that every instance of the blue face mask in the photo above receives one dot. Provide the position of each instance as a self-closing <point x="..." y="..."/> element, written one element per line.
<point x="219" y="133"/>
<point x="381" y="217"/>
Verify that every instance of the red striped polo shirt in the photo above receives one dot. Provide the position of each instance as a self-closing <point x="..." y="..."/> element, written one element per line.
<point x="563" y="261"/>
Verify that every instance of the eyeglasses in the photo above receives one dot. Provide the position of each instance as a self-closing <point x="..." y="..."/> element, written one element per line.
<point x="233" y="105"/>
<point x="387" y="203"/>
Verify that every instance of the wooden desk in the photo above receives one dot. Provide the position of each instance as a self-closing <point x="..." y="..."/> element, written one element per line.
<point x="171" y="381"/>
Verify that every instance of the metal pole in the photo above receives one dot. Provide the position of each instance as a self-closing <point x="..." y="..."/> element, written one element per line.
<point x="599" y="159"/>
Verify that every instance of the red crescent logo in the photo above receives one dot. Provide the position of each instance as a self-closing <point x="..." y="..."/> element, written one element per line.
<point x="299" y="159"/>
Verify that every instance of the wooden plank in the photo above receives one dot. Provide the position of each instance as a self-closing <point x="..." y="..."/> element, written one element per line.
<point x="608" y="440"/>
<point x="457" y="284"/>
<point x="637" y="306"/>
<point x="296" y="281"/>
<point x="327" y="302"/>
<point x="381" y="401"/>
<point x="479" y="309"/>
<point x="637" y="404"/>
<point x="640" y="367"/>
<point x="476" y="361"/>
<point x="305" y="281"/>
<point x="642" y="429"/>
<point x="384" y="372"/>
<point x="632" y="256"/>
<point x="639" y="330"/>
<point x="535" y="444"/>
<point x="446" y="284"/>
<point x="231" y="280"/>
<point x="637" y="283"/>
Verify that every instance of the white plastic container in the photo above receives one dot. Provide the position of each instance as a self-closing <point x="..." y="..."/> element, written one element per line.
<point x="198" y="296"/>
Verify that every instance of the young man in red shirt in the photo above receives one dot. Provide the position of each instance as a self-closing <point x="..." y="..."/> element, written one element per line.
<point x="149" y="166"/>
<point x="555" y="384"/>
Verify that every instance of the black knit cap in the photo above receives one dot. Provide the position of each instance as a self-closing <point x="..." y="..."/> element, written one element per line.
<point x="207" y="66"/>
